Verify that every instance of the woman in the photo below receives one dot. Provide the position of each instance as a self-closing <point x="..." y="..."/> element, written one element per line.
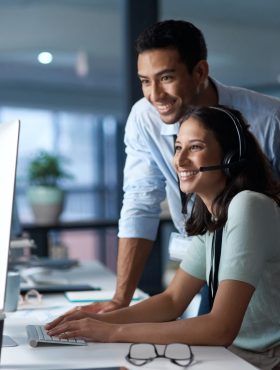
<point x="218" y="159"/>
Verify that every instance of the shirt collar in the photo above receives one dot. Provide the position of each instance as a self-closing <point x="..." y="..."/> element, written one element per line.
<point x="223" y="93"/>
<point x="169" y="129"/>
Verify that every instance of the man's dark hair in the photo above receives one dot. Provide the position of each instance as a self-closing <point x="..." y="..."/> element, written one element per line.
<point x="179" y="35"/>
<point x="255" y="174"/>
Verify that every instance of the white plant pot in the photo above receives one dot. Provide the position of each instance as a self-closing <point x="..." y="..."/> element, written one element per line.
<point x="46" y="203"/>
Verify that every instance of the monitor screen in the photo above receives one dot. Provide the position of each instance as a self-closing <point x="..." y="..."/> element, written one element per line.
<point x="9" y="135"/>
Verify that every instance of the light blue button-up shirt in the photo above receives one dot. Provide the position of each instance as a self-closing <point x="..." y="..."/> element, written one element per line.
<point x="149" y="175"/>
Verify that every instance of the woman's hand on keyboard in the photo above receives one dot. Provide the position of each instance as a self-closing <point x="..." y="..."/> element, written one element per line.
<point x="94" y="308"/>
<point x="82" y="325"/>
<point x="69" y="315"/>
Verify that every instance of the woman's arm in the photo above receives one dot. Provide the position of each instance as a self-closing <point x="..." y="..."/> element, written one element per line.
<point x="166" y="306"/>
<point x="219" y="327"/>
<point x="162" y="307"/>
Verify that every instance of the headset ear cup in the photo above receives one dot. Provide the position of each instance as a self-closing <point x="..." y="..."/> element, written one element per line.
<point x="230" y="158"/>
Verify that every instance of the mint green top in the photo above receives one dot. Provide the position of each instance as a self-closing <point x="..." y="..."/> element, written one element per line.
<point x="250" y="253"/>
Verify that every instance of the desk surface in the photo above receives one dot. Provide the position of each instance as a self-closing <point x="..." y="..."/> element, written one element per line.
<point x="97" y="355"/>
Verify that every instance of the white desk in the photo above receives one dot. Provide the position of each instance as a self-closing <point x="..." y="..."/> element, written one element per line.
<point x="95" y="355"/>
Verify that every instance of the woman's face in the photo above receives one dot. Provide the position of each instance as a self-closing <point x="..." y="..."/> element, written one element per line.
<point x="197" y="147"/>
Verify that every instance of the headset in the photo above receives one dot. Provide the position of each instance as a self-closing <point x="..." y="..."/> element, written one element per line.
<point x="236" y="158"/>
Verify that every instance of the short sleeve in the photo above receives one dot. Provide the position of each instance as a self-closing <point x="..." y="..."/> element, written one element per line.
<point x="248" y="237"/>
<point x="194" y="262"/>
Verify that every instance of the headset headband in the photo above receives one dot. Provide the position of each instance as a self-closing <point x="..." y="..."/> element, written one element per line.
<point x="239" y="130"/>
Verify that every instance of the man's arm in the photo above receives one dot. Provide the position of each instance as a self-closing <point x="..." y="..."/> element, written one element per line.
<point x="132" y="256"/>
<point x="144" y="190"/>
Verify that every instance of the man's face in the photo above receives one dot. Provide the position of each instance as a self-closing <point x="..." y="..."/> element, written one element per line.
<point x="167" y="83"/>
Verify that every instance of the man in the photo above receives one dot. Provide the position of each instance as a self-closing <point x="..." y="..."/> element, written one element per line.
<point x="173" y="70"/>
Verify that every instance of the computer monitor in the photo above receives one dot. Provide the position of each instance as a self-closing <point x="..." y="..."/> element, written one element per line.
<point x="9" y="137"/>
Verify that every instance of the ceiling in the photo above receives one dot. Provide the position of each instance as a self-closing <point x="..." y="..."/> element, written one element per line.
<point x="86" y="39"/>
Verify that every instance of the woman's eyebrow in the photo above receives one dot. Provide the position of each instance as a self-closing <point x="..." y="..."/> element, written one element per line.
<point x="192" y="141"/>
<point x="199" y="140"/>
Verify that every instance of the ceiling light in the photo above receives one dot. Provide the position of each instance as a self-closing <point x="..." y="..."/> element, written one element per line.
<point x="45" y="57"/>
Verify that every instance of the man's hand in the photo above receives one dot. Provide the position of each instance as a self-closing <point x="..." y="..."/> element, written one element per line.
<point x="102" y="307"/>
<point x="132" y="256"/>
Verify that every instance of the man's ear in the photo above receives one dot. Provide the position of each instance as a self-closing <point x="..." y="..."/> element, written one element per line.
<point x="201" y="71"/>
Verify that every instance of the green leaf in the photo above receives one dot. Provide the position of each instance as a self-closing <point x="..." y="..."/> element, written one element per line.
<point x="47" y="169"/>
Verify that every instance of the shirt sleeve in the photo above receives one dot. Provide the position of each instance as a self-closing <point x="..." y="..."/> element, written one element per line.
<point x="194" y="262"/>
<point x="248" y="236"/>
<point x="144" y="184"/>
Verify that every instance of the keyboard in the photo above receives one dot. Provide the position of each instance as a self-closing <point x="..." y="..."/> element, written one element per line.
<point x="37" y="336"/>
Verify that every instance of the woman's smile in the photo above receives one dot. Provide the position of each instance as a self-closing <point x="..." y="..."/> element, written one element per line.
<point x="187" y="174"/>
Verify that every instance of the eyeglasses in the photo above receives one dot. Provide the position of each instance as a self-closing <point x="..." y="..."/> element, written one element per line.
<point x="141" y="353"/>
<point x="31" y="297"/>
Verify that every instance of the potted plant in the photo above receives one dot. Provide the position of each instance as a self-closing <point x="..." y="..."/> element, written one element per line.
<point x="45" y="172"/>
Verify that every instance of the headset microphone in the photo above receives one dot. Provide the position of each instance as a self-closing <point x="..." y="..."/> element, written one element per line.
<point x="212" y="168"/>
<point x="222" y="166"/>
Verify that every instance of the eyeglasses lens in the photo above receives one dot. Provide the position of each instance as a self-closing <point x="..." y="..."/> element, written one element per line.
<point x="179" y="353"/>
<point x="142" y="353"/>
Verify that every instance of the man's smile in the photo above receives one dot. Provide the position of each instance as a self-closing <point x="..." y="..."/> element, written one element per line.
<point x="165" y="108"/>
